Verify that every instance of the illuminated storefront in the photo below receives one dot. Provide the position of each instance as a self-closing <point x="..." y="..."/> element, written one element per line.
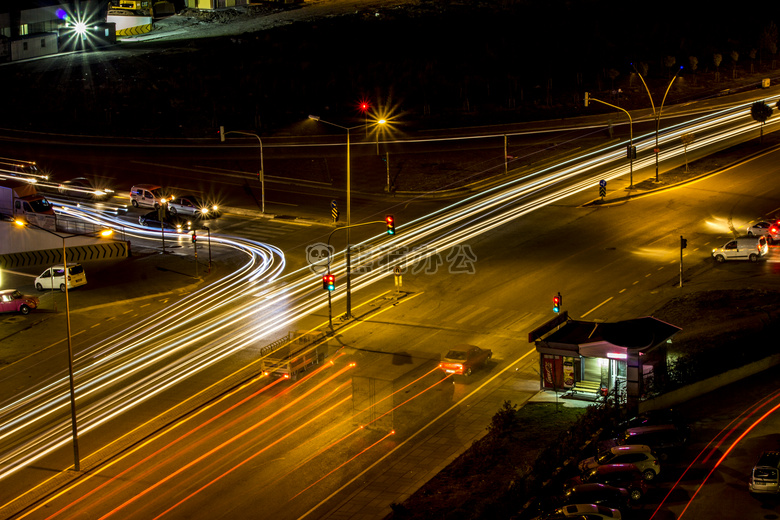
<point x="587" y="359"/>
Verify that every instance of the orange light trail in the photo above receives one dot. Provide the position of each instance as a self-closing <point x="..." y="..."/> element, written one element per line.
<point x="167" y="446"/>
<point x="356" y="430"/>
<point x="248" y="459"/>
<point x="358" y="454"/>
<point x="222" y="445"/>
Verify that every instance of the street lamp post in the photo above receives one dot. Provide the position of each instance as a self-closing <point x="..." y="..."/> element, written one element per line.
<point x="261" y="175"/>
<point x="630" y="137"/>
<point x="349" y="175"/>
<point x="74" y="423"/>
<point x="657" y="115"/>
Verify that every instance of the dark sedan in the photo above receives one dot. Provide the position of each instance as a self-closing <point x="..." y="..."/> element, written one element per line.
<point x="171" y="222"/>
<point x="83" y="188"/>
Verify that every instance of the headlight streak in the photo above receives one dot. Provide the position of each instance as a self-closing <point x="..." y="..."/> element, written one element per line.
<point x="232" y="329"/>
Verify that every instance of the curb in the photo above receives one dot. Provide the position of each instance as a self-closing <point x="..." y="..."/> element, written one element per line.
<point x="620" y="200"/>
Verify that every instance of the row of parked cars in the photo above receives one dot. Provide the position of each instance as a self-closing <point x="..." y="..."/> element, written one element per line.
<point x="616" y="478"/>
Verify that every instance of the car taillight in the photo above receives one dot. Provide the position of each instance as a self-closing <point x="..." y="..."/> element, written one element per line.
<point x="773" y="230"/>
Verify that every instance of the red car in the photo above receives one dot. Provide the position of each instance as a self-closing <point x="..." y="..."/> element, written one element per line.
<point x="463" y="359"/>
<point x="12" y="300"/>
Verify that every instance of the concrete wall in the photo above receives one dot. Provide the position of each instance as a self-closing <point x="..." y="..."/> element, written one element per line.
<point x="20" y="247"/>
<point x="686" y="393"/>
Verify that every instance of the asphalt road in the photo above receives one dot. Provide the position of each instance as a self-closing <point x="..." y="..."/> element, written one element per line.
<point x="629" y="253"/>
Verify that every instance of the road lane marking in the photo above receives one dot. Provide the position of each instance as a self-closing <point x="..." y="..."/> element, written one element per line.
<point x="597" y="306"/>
<point x="635" y="282"/>
<point x="622" y="291"/>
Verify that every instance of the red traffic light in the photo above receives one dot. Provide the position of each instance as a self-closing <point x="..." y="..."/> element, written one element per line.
<point x="390" y="224"/>
<point x="364" y="106"/>
<point x="329" y="282"/>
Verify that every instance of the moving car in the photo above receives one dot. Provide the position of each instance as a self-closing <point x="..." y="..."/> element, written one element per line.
<point x="172" y="222"/>
<point x="765" y="476"/>
<point x="625" y="476"/>
<point x="54" y="278"/>
<point x="770" y="230"/>
<point x="146" y="195"/>
<point x="639" y="455"/>
<point x="12" y="300"/>
<point x="191" y="205"/>
<point x="746" y="248"/>
<point x="600" y="494"/>
<point x="582" y="512"/>
<point x="463" y="359"/>
<point x="82" y="188"/>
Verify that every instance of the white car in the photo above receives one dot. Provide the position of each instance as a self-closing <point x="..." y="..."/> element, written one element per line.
<point x="582" y="511"/>
<point x="764" y="229"/>
<point x="54" y="278"/>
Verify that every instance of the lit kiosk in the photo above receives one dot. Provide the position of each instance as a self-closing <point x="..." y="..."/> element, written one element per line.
<point x="587" y="359"/>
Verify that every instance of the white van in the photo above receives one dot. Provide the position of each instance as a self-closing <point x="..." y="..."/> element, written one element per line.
<point x="747" y="248"/>
<point x="54" y="278"/>
<point x="145" y="195"/>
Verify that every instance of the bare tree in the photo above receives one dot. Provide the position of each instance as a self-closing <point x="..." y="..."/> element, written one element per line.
<point x="686" y="139"/>
<point x="734" y="59"/>
<point x="716" y="59"/>
<point x="760" y="112"/>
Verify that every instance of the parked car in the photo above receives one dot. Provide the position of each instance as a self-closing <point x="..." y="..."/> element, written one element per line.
<point x="172" y="222"/>
<point x="82" y="188"/>
<point x="762" y="228"/>
<point x="12" y="300"/>
<point x="191" y="205"/>
<point x="653" y="418"/>
<point x="595" y="493"/>
<point x="662" y="438"/>
<point x="463" y="359"/>
<point x="765" y="475"/>
<point x="54" y="277"/>
<point x="582" y="512"/>
<point x="640" y="456"/>
<point x="625" y="476"/>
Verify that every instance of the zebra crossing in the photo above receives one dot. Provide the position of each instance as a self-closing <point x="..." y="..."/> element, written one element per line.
<point x="260" y="230"/>
<point x="479" y="317"/>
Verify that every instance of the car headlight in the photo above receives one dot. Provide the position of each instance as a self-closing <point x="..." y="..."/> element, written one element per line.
<point x="204" y="210"/>
<point x="214" y="207"/>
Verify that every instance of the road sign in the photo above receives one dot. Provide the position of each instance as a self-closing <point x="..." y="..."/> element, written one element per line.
<point x="334" y="210"/>
<point x="603" y="183"/>
<point x="398" y="279"/>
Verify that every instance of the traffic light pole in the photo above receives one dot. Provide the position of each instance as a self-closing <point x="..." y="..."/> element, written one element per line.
<point x="348" y="314"/>
<point x="630" y="137"/>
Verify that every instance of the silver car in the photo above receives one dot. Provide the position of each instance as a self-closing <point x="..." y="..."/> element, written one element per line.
<point x="191" y="205"/>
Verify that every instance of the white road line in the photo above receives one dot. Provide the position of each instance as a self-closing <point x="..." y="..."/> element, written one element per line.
<point x="597" y="306"/>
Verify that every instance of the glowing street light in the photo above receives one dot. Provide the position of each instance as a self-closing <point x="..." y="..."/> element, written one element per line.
<point x="74" y="424"/>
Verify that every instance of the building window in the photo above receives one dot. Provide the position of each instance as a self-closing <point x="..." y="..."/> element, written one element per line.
<point x="24" y="46"/>
<point x="43" y="43"/>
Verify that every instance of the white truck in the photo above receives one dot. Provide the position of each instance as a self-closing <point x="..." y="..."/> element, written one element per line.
<point x="294" y="353"/>
<point x="20" y="199"/>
